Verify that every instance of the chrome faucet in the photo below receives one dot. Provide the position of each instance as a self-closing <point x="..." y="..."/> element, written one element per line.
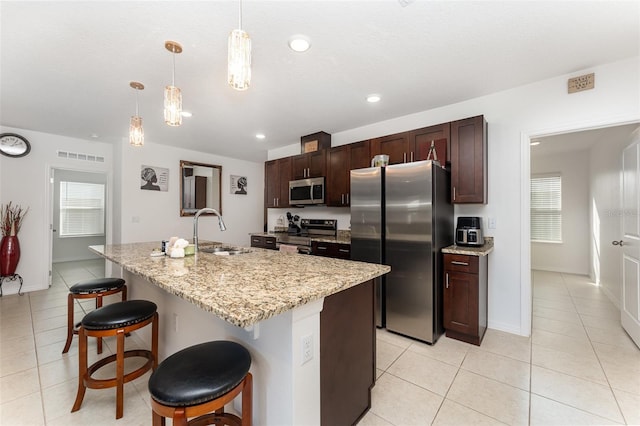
<point x="195" y="223"/>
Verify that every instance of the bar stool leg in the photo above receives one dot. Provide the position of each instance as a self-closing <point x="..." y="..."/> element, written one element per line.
<point x="179" y="417"/>
<point x="120" y="375"/>
<point x="70" y="326"/>
<point x="158" y="420"/>
<point x="154" y="340"/>
<point x="98" y="306"/>
<point x="82" y="369"/>
<point x="247" y="400"/>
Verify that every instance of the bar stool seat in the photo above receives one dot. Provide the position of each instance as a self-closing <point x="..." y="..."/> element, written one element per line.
<point x="117" y="320"/>
<point x="198" y="381"/>
<point x="95" y="288"/>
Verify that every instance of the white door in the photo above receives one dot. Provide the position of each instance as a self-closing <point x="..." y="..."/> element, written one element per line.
<point x="630" y="242"/>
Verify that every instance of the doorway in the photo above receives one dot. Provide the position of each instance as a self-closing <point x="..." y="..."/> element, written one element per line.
<point x="78" y="214"/>
<point x="589" y="165"/>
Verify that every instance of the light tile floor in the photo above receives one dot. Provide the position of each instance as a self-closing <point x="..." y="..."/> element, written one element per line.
<point x="579" y="366"/>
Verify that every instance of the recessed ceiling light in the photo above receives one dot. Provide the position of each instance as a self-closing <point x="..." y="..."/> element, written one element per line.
<point x="535" y="143"/>
<point x="260" y="136"/>
<point x="373" y="98"/>
<point x="299" y="43"/>
<point x="186" y="114"/>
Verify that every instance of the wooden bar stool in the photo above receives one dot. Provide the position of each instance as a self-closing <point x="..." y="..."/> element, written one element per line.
<point x="199" y="381"/>
<point x="96" y="288"/>
<point x="117" y="320"/>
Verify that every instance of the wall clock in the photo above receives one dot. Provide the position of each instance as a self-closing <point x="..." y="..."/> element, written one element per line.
<point x="13" y="145"/>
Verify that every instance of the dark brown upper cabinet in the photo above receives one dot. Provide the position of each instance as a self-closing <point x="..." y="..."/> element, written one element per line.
<point x="312" y="164"/>
<point x="276" y="186"/>
<point x="469" y="161"/>
<point x="340" y="161"/>
<point x="414" y="145"/>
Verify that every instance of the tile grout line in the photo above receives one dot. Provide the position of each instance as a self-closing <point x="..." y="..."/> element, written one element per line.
<point x="604" y="373"/>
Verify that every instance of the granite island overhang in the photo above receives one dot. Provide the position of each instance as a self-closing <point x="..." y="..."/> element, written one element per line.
<point x="270" y="302"/>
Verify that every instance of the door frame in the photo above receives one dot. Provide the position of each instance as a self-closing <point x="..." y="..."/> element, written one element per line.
<point x="526" y="293"/>
<point x="49" y="203"/>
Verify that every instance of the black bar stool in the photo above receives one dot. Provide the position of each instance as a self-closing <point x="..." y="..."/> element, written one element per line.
<point x="199" y="381"/>
<point x="117" y="320"/>
<point x="96" y="288"/>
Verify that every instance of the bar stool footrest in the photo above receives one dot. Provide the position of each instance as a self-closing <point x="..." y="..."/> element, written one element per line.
<point x="93" y="383"/>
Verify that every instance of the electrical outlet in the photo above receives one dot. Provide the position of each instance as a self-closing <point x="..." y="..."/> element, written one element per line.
<point x="492" y="223"/>
<point x="307" y="349"/>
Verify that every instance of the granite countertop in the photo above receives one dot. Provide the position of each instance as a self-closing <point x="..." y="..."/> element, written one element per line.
<point x="246" y="288"/>
<point x="471" y="251"/>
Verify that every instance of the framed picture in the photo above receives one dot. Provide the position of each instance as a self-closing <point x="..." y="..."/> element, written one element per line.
<point x="154" y="178"/>
<point x="239" y="185"/>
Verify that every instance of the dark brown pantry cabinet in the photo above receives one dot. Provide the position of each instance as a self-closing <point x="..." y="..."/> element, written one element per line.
<point x="277" y="174"/>
<point x="465" y="297"/>
<point x="469" y="161"/>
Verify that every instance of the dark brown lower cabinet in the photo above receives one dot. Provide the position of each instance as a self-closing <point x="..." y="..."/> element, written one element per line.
<point x="465" y="297"/>
<point x="263" y="241"/>
<point x="347" y="355"/>
<point x="335" y="250"/>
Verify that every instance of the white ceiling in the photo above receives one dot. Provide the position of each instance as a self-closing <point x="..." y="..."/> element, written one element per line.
<point x="65" y="66"/>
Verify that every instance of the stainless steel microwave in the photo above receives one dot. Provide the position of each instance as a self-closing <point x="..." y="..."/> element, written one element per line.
<point x="306" y="191"/>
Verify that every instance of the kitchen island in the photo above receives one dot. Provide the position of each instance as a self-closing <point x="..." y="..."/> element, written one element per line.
<point x="308" y="322"/>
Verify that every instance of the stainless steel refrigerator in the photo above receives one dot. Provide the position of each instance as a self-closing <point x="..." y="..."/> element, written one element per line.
<point x="402" y="216"/>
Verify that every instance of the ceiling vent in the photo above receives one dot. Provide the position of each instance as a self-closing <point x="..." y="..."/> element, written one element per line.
<point x="79" y="156"/>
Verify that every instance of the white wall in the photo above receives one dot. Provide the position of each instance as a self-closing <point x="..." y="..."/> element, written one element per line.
<point x="155" y="215"/>
<point x="25" y="181"/>
<point x="605" y="163"/>
<point x="513" y="116"/>
<point x="572" y="255"/>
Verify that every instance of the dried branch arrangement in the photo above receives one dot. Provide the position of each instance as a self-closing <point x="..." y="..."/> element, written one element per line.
<point x="11" y="218"/>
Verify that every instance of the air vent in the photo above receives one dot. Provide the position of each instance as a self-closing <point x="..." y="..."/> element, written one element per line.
<point x="80" y="156"/>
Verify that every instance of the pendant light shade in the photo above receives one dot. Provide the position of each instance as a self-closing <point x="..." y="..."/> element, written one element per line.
<point x="136" y="132"/>
<point x="239" y="60"/>
<point x="172" y="94"/>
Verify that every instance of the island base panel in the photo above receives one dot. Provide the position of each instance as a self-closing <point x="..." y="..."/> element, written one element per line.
<point x="347" y="355"/>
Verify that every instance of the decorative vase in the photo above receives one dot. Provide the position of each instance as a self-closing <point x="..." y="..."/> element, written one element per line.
<point x="9" y="255"/>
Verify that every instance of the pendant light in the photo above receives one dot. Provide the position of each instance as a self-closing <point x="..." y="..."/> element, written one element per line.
<point x="136" y="132"/>
<point x="172" y="94"/>
<point x="239" y="60"/>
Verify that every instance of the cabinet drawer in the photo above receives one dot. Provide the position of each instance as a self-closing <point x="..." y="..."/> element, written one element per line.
<point x="461" y="263"/>
<point x="261" y="241"/>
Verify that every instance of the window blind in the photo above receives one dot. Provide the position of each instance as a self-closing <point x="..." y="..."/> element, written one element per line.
<point x="81" y="209"/>
<point x="546" y="208"/>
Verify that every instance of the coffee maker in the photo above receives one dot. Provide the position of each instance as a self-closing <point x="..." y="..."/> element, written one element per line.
<point x="469" y="231"/>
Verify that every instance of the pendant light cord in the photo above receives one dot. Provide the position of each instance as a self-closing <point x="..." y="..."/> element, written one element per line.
<point x="137" y="114"/>
<point x="240" y="14"/>
<point x="173" y="76"/>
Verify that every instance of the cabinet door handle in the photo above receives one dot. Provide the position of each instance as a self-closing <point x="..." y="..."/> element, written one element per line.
<point x="404" y="157"/>
<point x="455" y="262"/>
<point x="347" y="198"/>
<point x="412" y="156"/>
<point x="447" y="280"/>
<point x="321" y="248"/>
<point x="344" y="250"/>
<point x="454" y="193"/>
<point x="342" y="199"/>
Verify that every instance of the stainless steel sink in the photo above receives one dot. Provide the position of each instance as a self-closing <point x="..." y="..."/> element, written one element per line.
<point x="224" y="251"/>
